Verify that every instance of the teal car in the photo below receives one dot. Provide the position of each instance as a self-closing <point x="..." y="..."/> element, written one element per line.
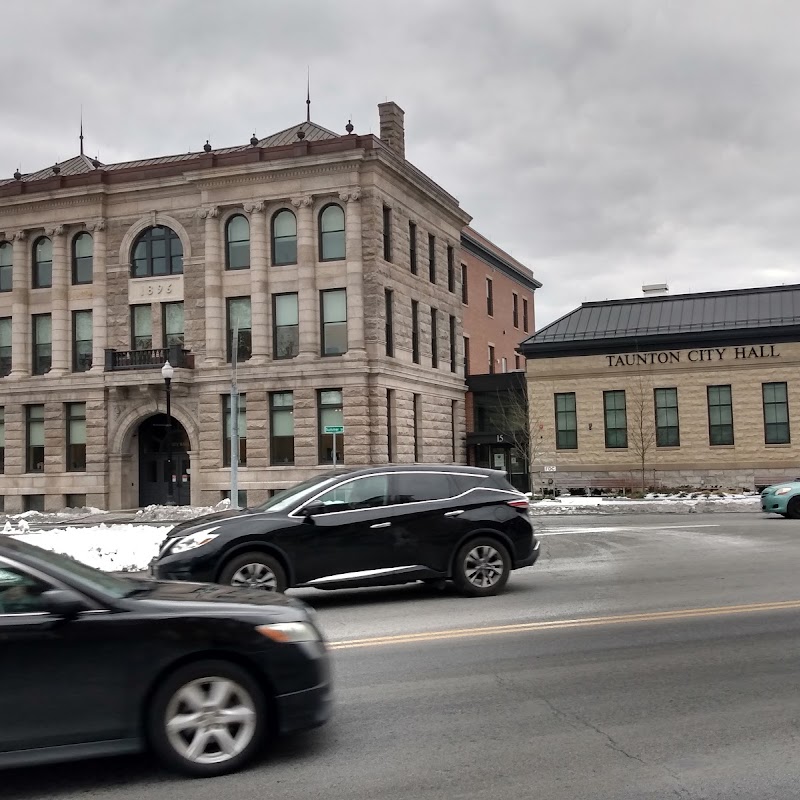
<point x="783" y="499"/>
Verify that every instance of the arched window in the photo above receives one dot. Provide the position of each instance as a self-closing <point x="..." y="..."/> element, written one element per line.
<point x="82" y="261"/>
<point x="42" y="263"/>
<point x="331" y="233"/>
<point x="237" y="243"/>
<point x="6" y="266"/>
<point x="284" y="238"/>
<point x="157" y="251"/>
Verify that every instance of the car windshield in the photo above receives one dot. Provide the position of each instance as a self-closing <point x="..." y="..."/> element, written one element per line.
<point x="64" y="567"/>
<point x="292" y="497"/>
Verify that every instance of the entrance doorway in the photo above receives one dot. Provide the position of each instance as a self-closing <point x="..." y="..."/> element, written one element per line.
<point x="154" y="472"/>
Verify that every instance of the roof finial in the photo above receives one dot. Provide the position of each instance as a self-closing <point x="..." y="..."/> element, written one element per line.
<point x="308" y="96"/>
<point x="81" y="136"/>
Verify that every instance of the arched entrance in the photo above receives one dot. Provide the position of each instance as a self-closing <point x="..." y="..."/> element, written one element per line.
<point x="154" y="456"/>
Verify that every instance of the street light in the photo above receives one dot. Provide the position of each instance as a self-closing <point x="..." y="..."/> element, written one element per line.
<point x="167" y="371"/>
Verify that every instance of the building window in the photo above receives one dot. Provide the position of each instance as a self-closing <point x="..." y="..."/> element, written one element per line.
<point x="517" y="362"/>
<point x="42" y="263"/>
<point x="331" y="234"/>
<point x="720" y="415"/>
<point x="5" y="346"/>
<point x="524" y="314"/>
<point x="491" y="359"/>
<point x="466" y="356"/>
<point x="281" y="428"/>
<point x="452" y="343"/>
<point x="432" y="257"/>
<point x="172" y="320"/>
<point x="464" y="285"/>
<point x="33" y="502"/>
<point x="76" y="437"/>
<point x="239" y="326"/>
<point x="389" y="314"/>
<point x="286" y="325"/>
<point x="227" y="432"/>
<point x="6" y="267"/>
<point x="387" y="233"/>
<point x="391" y="433"/>
<point x="42" y="343"/>
<point x="453" y="427"/>
<point x="157" y="251"/>
<point x="241" y="495"/>
<point x="82" y="259"/>
<point x="776" y="413"/>
<point x="434" y="338"/>
<point x="503" y="364"/>
<point x="415" y="331"/>
<point x="34" y="438"/>
<point x="515" y="312"/>
<point x="284" y="238"/>
<point x="334" y="321"/>
<point x="330" y="412"/>
<point x="2" y="439"/>
<point x="81" y="341"/>
<point x="489" y="297"/>
<point x="75" y="500"/>
<point x="566" y="422"/>
<point x="616" y="421"/>
<point x="451" y="269"/>
<point x="667" y="430"/>
<point x="237" y="242"/>
<point x="417" y="429"/>
<point x="412" y="246"/>
<point x="141" y="328"/>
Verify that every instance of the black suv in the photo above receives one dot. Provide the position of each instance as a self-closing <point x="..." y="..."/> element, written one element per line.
<point x="365" y="527"/>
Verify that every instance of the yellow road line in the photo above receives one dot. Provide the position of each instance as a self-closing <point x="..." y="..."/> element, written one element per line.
<point x="581" y="622"/>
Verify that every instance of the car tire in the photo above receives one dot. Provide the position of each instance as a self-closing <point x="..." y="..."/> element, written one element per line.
<point x="254" y="571"/>
<point x="208" y="718"/>
<point x="793" y="509"/>
<point x="481" y="567"/>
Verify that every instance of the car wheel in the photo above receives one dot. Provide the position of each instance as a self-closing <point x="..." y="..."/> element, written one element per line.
<point x="482" y="567"/>
<point x="207" y="719"/>
<point x="793" y="509"/>
<point x="254" y="571"/>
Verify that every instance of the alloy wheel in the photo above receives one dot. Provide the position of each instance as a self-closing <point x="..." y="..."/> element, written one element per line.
<point x="483" y="566"/>
<point x="255" y="576"/>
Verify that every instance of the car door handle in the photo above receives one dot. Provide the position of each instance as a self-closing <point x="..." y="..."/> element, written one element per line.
<point x="454" y="513"/>
<point x="381" y="525"/>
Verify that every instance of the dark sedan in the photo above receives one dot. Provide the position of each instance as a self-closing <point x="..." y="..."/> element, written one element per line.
<point x="364" y="527"/>
<point x="95" y="665"/>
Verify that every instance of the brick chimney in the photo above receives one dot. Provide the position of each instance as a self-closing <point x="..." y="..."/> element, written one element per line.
<point x="392" y="127"/>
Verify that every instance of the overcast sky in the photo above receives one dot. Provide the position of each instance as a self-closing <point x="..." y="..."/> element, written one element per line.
<point x="605" y="144"/>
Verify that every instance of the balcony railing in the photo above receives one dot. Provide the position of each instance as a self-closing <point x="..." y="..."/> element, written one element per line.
<point x="150" y="358"/>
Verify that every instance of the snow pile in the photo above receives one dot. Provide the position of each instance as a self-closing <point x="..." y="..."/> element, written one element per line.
<point x="680" y="503"/>
<point x="178" y="513"/>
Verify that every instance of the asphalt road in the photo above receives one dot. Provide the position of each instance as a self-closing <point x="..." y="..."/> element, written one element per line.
<point x="643" y="657"/>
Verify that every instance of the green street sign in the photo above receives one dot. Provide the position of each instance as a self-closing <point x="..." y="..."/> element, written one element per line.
<point x="334" y="429"/>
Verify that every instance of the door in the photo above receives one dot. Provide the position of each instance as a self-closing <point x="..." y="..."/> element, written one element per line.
<point x="158" y="442"/>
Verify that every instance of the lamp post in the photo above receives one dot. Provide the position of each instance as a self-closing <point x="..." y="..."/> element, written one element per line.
<point x="167" y="371"/>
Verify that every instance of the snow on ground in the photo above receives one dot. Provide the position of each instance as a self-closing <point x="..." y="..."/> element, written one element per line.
<point x="654" y="503"/>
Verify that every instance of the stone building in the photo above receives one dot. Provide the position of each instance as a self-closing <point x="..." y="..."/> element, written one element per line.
<point x="695" y="389"/>
<point x="332" y="257"/>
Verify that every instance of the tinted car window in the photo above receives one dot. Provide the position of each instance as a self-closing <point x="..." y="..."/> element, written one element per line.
<point x="20" y="593"/>
<point x="370" y="491"/>
<point x="464" y="483"/>
<point x="414" y="487"/>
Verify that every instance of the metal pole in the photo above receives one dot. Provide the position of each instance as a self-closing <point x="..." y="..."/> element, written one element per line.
<point x="170" y="488"/>
<point x="234" y="420"/>
<point x="334" y="451"/>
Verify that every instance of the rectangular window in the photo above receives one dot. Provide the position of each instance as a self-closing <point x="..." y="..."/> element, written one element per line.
<point x="5" y="346"/>
<point x="333" y="303"/>
<point x="464" y="285"/>
<point x="6" y="267"/>
<point x="453" y="427"/>
<point x="33" y="502"/>
<point x="172" y="320"/>
<point x="452" y="343"/>
<point x="616" y="421"/>
<point x="34" y="438"/>
<point x="491" y="359"/>
<point x="81" y="341"/>
<point x="242" y="495"/>
<point x="76" y="437"/>
<point x="141" y="328"/>
<point x="466" y="356"/>
<point x="415" y="331"/>
<point x="451" y="269"/>
<point x="720" y="415"/>
<point x="417" y="429"/>
<point x="667" y="430"/>
<point x="281" y="429"/>
<point x="524" y="314"/>
<point x="517" y="362"/>
<point x="503" y="364"/>
<point x="389" y="314"/>
<point x="412" y="246"/>
<point x="515" y="312"/>
<point x="285" y="325"/>
<point x="227" y="432"/>
<point x="2" y="439"/>
<point x="238" y="325"/>
<point x="42" y="343"/>
<point x="432" y="257"/>
<point x="776" y="413"/>
<point x="330" y="412"/>
<point x="387" y="233"/>
<point x="489" y="297"/>
<point x="391" y="433"/>
<point x="75" y="500"/>
<point x="566" y="422"/>
<point x="434" y="338"/>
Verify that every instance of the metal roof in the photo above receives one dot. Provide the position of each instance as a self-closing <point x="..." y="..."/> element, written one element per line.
<point x="312" y="131"/>
<point x="677" y="315"/>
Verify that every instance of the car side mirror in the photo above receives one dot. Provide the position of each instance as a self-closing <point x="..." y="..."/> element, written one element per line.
<point x="63" y="604"/>
<point x="310" y="511"/>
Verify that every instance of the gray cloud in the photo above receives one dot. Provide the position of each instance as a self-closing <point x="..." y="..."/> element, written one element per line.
<point x="606" y="145"/>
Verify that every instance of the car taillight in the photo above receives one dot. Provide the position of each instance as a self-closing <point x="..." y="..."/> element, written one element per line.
<point x="523" y="504"/>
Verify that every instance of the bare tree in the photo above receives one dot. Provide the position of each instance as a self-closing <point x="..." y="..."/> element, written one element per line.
<point x="641" y="424"/>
